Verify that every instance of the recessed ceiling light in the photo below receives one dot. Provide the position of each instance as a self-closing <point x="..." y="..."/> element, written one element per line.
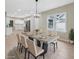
<point x="19" y="10"/>
<point x="15" y="13"/>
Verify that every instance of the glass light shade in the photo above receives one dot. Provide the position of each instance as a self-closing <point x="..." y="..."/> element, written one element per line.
<point x="37" y="15"/>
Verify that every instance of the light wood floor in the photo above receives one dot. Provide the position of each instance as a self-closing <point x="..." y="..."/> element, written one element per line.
<point x="64" y="50"/>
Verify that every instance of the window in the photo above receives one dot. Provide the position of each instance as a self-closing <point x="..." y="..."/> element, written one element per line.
<point x="57" y="22"/>
<point x="50" y="24"/>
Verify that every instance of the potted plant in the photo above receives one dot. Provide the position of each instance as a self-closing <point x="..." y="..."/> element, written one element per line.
<point x="71" y="36"/>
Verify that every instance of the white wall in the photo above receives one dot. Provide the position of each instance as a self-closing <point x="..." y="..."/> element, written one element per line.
<point x="19" y="24"/>
<point x="70" y="19"/>
<point x="8" y="30"/>
<point x="7" y="20"/>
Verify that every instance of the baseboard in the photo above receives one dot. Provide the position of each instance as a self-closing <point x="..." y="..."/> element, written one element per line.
<point x="66" y="41"/>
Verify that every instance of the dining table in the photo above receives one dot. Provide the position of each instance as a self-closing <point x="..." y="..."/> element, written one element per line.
<point x="42" y="37"/>
<point x="42" y="40"/>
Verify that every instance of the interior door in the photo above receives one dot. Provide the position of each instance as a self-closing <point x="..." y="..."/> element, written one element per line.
<point x="28" y="25"/>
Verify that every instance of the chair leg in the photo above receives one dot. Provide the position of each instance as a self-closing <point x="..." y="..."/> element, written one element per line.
<point x="28" y="55"/>
<point x="17" y="45"/>
<point x="54" y="47"/>
<point x="21" y="49"/>
<point x="20" y="45"/>
<point x="35" y="57"/>
<point x="43" y="56"/>
<point x="25" y="53"/>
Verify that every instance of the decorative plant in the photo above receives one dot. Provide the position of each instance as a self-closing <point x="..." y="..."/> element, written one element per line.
<point x="71" y="35"/>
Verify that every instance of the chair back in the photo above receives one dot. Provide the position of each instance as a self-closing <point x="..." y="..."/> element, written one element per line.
<point x="18" y="38"/>
<point x="31" y="46"/>
<point x="52" y="33"/>
<point x="24" y="40"/>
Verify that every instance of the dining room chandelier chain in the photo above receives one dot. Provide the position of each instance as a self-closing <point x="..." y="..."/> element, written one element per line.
<point x="36" y="6"/>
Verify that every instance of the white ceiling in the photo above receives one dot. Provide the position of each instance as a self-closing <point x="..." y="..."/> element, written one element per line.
<point x="27" y="7"/>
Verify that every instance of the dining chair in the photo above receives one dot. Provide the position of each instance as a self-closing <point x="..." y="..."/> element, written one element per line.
<point x="18" y="41"/>
<point x="34" y="50"/>
<point x="54" y="42"/>
<point x="24" y="43"/>
<point x="52" y="33"/>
